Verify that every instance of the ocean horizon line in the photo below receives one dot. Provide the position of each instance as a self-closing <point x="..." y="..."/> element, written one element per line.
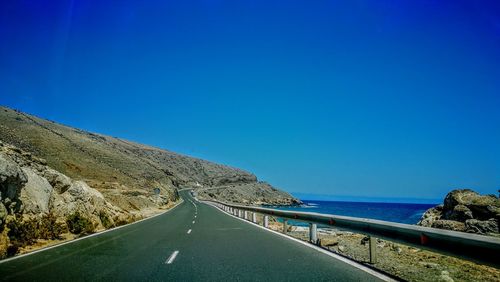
<point x="362" y="199"/>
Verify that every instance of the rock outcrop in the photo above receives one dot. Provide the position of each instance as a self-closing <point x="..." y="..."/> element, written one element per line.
<point x="467" y="211"/>
<point x="12" y="178"/>
<point x="29" y="187"/>
<point x="30" y="190"/>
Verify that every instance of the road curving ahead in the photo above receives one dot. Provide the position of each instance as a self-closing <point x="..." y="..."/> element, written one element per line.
<point x="193" y="242"/>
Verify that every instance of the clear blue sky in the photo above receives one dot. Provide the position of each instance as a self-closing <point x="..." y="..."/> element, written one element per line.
<point x="391" y="99"/>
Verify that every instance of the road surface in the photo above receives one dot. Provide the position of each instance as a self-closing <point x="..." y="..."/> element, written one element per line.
<point x="194" y="241"/>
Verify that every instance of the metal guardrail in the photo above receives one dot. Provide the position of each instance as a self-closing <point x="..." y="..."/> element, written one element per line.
<point x="478" y="248"/>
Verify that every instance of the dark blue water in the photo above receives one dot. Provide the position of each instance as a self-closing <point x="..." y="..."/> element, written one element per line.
<point x="395" y="212"/>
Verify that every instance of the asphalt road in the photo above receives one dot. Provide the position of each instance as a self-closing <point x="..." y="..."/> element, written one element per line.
<point x="218" y="247"/>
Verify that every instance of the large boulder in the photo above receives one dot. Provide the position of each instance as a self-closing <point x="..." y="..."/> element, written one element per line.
<point x="460" y="213"/>
<point x="482" y="207"/>
<point x="36" y="193"/>
<point x="12" y="178"/>
<point x="59" y="181"/>
<point x="487" y="227"/>
<point x="431" y="215"/>
<point x="449" y="225"/>
<point x="82" y="199"/>
<point x="465" y="210"/>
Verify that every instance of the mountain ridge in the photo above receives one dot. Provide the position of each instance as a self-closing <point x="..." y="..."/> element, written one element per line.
<point x="177" y="170"/>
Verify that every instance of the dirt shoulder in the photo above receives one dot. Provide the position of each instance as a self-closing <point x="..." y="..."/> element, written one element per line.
<point x="406" y="263"/>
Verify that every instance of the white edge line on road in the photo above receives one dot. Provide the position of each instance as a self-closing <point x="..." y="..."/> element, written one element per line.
<point x="189" y="231"/>
<point x="334" y="255"/>
<point x="172" y="257"/>
<point x="89" y="236"/>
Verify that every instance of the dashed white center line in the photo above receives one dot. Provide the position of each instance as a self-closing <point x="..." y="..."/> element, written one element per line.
<point x="172" y="257"/>
<point x="189" y="231"/>
<point x="194" y="216"/>
<point x="193" y="221"/>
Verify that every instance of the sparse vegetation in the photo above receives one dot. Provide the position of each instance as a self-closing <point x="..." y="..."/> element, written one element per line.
<point x="24" y="232"/>
<point x="106" y="222"/>
<point x="121" y="222"/>
<point x="78" y="224"/>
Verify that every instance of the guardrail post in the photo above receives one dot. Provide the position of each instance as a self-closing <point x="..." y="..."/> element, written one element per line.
<point x="239" y="213"/>
<point x="235" y="212"/>
<point x="254" y="217"/>
<point x="373" y="249"/>
<point x="313" y="233"/>
<point x="266" y="221"/>
<point x="285" y="225"/>
<point x="246" y="215"/>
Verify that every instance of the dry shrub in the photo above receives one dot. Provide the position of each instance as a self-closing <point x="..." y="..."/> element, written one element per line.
<point x="78" y="224"/>
<point x="24" y="232"/>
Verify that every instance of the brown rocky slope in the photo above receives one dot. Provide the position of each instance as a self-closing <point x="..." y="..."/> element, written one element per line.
<point x="53" y="172"/>
<point x="118" y="168"/>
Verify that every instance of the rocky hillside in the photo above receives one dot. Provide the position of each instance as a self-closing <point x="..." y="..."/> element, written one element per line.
<point x="119" y="168"/>
<point x="72" y="180"/>
<point x="467" y="211"/>
<point x="255" y="193"/>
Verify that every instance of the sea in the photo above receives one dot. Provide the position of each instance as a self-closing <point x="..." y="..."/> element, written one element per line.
<point x="395" y="212"/>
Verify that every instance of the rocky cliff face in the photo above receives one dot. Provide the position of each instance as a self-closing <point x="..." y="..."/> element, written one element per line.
<point x="467" y="211"/>
<point x="51" y="169"/>
<point x="29" y="189"/>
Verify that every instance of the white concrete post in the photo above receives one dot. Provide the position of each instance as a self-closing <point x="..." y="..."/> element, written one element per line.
<point x="254" y="217"/>
<point x="285" y="225"/>
<point x="246" y="214"/>
<point x="239" y="213"/>
<point x="373" y="249"/>
<point x="313" y="233"/>
<point x="266" y="221"/>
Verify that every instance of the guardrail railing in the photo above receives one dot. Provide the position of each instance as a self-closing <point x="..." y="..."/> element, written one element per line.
<point x="478" y="248"/>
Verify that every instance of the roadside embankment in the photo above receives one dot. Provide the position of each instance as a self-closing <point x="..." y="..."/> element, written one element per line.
<point x="407" y="263"/>
<point x="40" y="206"/>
